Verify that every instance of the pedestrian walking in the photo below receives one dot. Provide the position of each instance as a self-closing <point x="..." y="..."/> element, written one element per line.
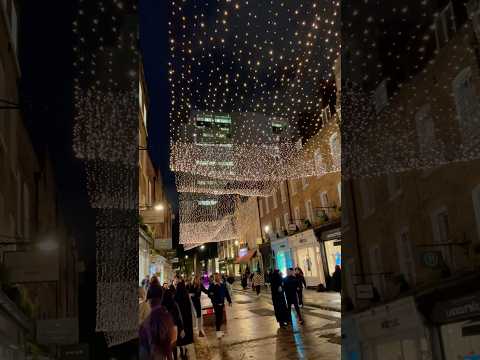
<point x="291" y="286"/>
<point x="157" y="334"/>
<point x="145" y="282"/>
<point x="143" y="305"/>
<point x="257" y="282"/>
<point x="282" y="313"/>
<point x="244" y="281"/>
<point x="217" y="293"/>
<point x="301" y="279"/>
<point x="183" y="301"/>
<point x="337" y="279"/>
<point x="196" y="290"/>
<point x="170" y="304"/>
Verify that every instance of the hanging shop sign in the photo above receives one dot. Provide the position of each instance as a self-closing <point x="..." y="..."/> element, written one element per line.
<point x="153" y="216"/>
<point x="242" y="252"/>
<point x="364" y="291"/>
<point x="306" y="238"/>
<point x="75" y="352"/>
<point x="163" y="244"/>
<point x="458" y="309"/>
<point x="32" y="266"/>
<point x="57" y="331"/>
<point x="431" y="259"/>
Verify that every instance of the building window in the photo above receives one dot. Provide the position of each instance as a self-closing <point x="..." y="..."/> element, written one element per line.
<point x="393" y="184"/>
<point x="476" y="206"/>
<point x="339" y="191"/>
<point x="309" y="210"/>
<point x="324" y="199"/>
<point x="441" y="232"/>
<point x="376" y="266"/>
<point x="406" y="258"/>
<point x="260" y="205"/>
<point x="26" y="211"/>
<point x="19" y="212"/>
<point x="298" y="220"/>
<point x="278" y="227"/>
<point x="444" y="25"/>
<point x="267" y="206"/>
<point x="286" y="219"/>
<point x="319" y="167"/>
<point x="366" y="197"/>
<point x="274" y="198"/>
<point x="304" y="182"/>
<point x="14" y="28"/>
<point x="282" y="192"/>
<point x="466" y="101"/>
<point x="293" y="186"/>
<point x="381" y="96"/>
<point x="425" y="130"/>
<point x="335" y="149"/>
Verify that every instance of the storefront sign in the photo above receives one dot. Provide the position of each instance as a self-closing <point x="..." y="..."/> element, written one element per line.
<point x="32" y="266"/>
<point x="292" y="227"/>
<point x="242" y="252"/>
<point x="163" y="244"/>
<point x="57" y="331"/>
<point x="364" y="291"/>
<point x="456" y="310"/>
<point x="152" y="216"/>
<point x="431" y="259"/>
<point x="75" y="352"/>
<point x="383" y="321"/>
<point x="303" y="239"/>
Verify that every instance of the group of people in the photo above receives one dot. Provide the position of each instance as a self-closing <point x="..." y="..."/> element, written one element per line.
<point x="166" y="314"/>
<point x="285" y="293"/>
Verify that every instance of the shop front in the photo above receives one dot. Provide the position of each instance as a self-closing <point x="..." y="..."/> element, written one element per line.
<point x="143" y="256"/>
<point x="161" y="268"/>
<point x="306" y="255"/>
<point x="458" y="321"/>
<point x="246" y="258"/>
<point x="395" y="331"/>
<point x="282" y="255"/>
<point x="331" y="248"/>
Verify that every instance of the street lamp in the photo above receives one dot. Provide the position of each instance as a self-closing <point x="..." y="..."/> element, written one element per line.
<point x="47" y="245"/>
<point x="202" y="247"/>
<point x="186" y="256"/>
<point x="159" y="207"/>
<point x="236" y="242"/>
<point x="266" y="228"/>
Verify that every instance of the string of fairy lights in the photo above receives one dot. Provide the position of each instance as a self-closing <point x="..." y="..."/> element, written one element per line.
<point x="247" y="80"/>
<point x="105" y="138"/>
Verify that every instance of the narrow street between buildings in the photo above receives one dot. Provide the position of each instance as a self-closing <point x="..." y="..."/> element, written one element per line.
<point x="253" y="333"/>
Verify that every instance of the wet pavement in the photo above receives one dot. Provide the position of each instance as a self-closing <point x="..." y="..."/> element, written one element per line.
<point x="253" y="333"/>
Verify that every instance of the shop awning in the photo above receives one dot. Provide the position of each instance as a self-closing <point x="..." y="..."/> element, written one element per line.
<point x="246" y="258"/>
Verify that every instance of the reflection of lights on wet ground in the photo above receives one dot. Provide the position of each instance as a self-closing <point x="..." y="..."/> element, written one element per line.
<point x="297" y="336"/>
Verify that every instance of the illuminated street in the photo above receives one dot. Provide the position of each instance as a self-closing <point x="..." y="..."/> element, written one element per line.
<point x="253" y="333"/>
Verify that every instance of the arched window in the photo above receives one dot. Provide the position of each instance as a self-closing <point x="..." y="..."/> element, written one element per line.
<point x="466" y="101"/>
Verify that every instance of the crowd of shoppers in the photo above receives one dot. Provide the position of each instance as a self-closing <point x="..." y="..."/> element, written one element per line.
<point x="166" y="314"/>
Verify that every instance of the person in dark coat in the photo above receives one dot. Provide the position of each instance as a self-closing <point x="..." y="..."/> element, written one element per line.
<point x="217" y="292"/>
<point x="183" y="301"/>
<point x="291" y="285"/>
<point x="303" y="284"/>
<point x="282" y="314"/>
<point x="337" y="279"/>
<point x="244" y="281"/>
<point x="171" y="305"/>
<point x="195" y="290"/>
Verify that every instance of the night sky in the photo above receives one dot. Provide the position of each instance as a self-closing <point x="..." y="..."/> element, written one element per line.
<point x="154" y="47"/>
